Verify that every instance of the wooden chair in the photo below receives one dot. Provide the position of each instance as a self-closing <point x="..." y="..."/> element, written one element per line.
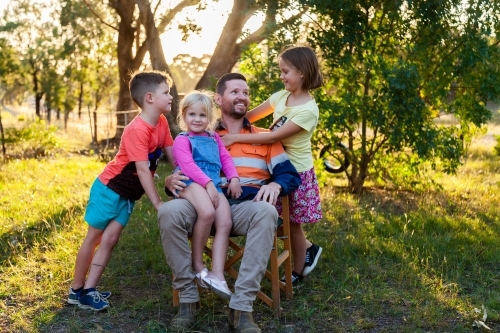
<point x="277" y="259"/>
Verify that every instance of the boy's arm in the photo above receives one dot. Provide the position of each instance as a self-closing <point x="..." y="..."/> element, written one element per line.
<point x="170" y="156"/>
<point x="147" y="183"/>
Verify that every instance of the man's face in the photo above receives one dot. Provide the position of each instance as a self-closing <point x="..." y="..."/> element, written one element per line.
<point x="235" y="99"/>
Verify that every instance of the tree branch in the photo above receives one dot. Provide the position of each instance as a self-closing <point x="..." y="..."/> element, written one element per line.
<point x="98" y="17"/>
<point x="263" y="32"/>
<point x="171" y="14"/>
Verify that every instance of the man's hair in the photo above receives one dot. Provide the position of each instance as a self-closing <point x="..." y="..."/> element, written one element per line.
<point x="193" y="97"/>
<point x="221" y="83"/>
<point x="304" y="59"/>
<point x="143" y="82"/>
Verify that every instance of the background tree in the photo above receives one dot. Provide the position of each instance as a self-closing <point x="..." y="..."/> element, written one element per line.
<point x="22" y="27"/>
<point x="187" y="70"/>
<point x="92" y="71"/>
<point x="389" y="68"/>
<point x="12" y="73"/>
<point x="131" y="38"/>
<point x="10" y="79"/>
<point x="234" y="39"/>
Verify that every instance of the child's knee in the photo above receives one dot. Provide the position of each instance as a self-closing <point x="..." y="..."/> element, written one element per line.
<point x="207" y="215"/>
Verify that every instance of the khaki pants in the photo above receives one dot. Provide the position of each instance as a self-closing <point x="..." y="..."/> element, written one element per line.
<point x="255" y="220"/>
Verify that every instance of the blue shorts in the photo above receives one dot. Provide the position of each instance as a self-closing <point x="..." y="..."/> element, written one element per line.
<point x="106" y="205"/>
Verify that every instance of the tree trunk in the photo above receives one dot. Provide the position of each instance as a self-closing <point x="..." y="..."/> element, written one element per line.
<point x="38" y="94"/>
<point x="1" y="132"/>
<point x="80" y="100"/>
<point x="126" y="61"/>
<point x="359" y="173"/>
<point x="38" y="99"/>
<point x="157" y="56"/>
<point x="227" y="52"/>
<point x="228" y="49"/>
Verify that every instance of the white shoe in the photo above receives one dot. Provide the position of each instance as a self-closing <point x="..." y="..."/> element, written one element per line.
<point x="219" y="287"/>
<point x="200" y="276"/>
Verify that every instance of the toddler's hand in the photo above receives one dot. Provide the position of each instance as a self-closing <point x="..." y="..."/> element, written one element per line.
<point x="213" y="194"/>
<point x="234" y="189"/>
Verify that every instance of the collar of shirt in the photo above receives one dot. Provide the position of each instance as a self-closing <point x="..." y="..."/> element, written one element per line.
<point x="219" y="126"/>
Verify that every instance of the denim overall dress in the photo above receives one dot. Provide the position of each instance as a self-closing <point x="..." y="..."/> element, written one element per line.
<point x="206" y="155"/>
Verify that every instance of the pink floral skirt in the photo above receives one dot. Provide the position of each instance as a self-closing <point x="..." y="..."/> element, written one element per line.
<point x="305" y="204"/>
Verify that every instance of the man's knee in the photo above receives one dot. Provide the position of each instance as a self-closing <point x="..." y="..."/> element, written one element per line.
<point x="265" y="216"/>
<point x="176" y="213"/>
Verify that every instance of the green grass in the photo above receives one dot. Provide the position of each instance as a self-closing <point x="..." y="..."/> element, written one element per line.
<point x="393" y="261"/>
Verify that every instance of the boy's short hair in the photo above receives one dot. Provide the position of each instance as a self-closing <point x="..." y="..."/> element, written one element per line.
<point x="221" y="83"/>
<point x="193" y="97"/>
<point x="142" y="82"/>
<point x="305" y="60"/>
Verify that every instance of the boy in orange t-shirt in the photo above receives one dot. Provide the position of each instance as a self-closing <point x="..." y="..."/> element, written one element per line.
<point x="123" y="181"/>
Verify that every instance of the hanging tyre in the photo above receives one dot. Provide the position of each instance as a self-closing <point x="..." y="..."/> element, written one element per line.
<point x="335" y="157"/>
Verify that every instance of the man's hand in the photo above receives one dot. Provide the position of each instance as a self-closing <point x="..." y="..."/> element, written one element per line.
<point x="175" y="182"/>
<point x="269" y="193"/>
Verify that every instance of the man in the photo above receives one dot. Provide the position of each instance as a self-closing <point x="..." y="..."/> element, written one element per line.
<point x="265" y="172"/>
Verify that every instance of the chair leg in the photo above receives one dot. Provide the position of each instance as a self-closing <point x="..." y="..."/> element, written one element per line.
<point x="287" y="246"/>
<point x="275" y="280"/>
<point x="175" y="295"/>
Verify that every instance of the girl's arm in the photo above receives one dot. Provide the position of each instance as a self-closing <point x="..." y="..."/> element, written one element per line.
<point x="283" y="132"/>
<point x="261" y="111"/>
<point x="184" y="159"/>
<point x="226" y="160"/>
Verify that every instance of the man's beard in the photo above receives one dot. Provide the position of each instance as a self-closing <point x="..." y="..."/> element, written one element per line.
<point x="231" y="111"/>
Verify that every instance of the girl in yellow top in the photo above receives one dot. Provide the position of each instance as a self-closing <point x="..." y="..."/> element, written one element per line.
<point x="295" y="115"/>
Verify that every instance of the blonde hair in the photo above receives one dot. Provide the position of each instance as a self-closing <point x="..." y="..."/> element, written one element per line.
<point x="193" y="97"/>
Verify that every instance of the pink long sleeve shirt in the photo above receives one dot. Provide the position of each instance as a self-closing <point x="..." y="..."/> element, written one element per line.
<point x="184" y="159"/>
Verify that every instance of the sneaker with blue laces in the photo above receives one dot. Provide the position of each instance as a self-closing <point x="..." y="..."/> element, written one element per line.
<point x="74" y="296"/>
<point x="312" y="256"/>
<point x="93" y="300"/>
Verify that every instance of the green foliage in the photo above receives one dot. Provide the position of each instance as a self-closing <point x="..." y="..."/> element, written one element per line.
<point x="259" y="63"/>
<point x="35" y="139"/>
<point x="393" y="261"/>
<point x="392" y="67"/>
<point x="497" y="146"/>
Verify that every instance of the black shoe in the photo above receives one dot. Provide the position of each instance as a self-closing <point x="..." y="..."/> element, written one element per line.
<point x="296" y="279"/>
<point x="312" y="256"/>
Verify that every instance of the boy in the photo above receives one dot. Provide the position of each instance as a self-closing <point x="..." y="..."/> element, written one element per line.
<point x="123" y="181"/>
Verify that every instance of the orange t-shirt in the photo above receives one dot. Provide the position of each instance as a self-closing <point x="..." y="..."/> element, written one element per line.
<point x="140" y="142"/>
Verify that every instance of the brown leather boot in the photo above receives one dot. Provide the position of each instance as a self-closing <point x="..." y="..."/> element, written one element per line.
<point x="242" y="322"/>
<point x="185" y="318"/>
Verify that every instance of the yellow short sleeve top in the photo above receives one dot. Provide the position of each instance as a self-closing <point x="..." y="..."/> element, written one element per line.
<point x="298" y="146"/>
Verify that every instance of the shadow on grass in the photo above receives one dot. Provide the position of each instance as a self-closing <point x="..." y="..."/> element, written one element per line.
<point x="392" y="262"/>
<point x="21" y="239"/>
<point x="400" y="261"/>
